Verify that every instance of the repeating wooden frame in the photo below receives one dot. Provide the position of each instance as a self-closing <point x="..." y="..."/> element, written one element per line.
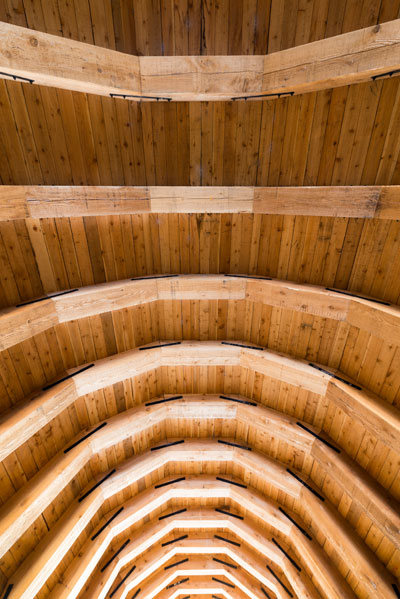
<point x="27" y="579"/>
<point x="320" y="512"/>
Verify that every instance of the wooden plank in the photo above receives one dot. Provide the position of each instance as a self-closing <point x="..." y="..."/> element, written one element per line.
<point x="42" y="201"/>
<point x="348" y="58"/>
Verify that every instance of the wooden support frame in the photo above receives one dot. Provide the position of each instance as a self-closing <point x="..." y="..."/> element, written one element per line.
<point x="347" y="474"/>
<point x="242" y="580"/>
<point x="377" y="416"/>
<point x="341" y="60"/>
<point x="155" y="531"/>
<point x="154" y="560"/>
<point x="55" y="201"/>
<point x="22" y="322"/>
<point x="370" y="572"/>
<point x="144" y="504"/>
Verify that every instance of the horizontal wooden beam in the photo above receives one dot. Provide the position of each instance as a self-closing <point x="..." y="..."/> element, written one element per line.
<point x="201" y="587"/>
<point x="55" y="61"/>
<point x="41" y="201"/>
<point x="19" y="323"/>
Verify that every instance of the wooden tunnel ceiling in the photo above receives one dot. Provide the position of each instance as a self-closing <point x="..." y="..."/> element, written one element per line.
<point x="265" y="366"/>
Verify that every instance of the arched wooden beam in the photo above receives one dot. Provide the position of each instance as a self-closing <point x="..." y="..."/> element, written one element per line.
<point x="370" y="572"/>
<point x="201" y="587"/>
<point x="377" y="416"/>
<point x="151" y="535"/>
<point x="55" y="201"/>
<point x="203" y="566"/>
<point x="157" y="580"/>
<point x="32" y="318"/>
<point x="205" y="585"/>
<point x="154" y="560"/>
<point x="40" y="564"/>
<point x="363" y="490"/>
<point x="340" y="60"/>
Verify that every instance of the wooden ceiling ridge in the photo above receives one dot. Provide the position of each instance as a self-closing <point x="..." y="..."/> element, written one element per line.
<point x="351" y="201"/>
<point x="371" y="315"/>
<point x="41" y="58"/>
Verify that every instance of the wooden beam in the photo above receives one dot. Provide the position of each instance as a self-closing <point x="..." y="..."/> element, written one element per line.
<point x="21" y="512"/>
<point x="154" y="560"/>
<point x="269" y="423"/>
<point x="61" y="62"/>
<point x="204" y="569"/>
<point x="42" y="201"/>
<point x="53" y="547"/>
<point x="376" y="415"/>
<point x="200" y="587"/>
<point x="154" y="532"/>
<point x="75" y="579"/>
<point x="19" y="323"/>
<point x="242" y="579"/>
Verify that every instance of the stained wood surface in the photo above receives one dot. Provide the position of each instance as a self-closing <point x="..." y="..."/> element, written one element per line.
<point x="42" y="256"/>
<point x="198" y="27"/>
<point x="88" y="140"/>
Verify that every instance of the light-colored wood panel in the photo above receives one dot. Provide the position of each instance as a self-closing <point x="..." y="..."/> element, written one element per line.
<point x="202" y="150"/>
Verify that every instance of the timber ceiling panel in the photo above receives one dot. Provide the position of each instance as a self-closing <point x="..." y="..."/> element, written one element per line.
<point x="345" y="136"/>
<point x="199" y="27"/>
<point x="46" y="255"/>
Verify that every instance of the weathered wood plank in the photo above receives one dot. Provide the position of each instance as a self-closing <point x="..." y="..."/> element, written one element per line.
<point x="375" y="201"/>
<point x="61" y="62"/>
